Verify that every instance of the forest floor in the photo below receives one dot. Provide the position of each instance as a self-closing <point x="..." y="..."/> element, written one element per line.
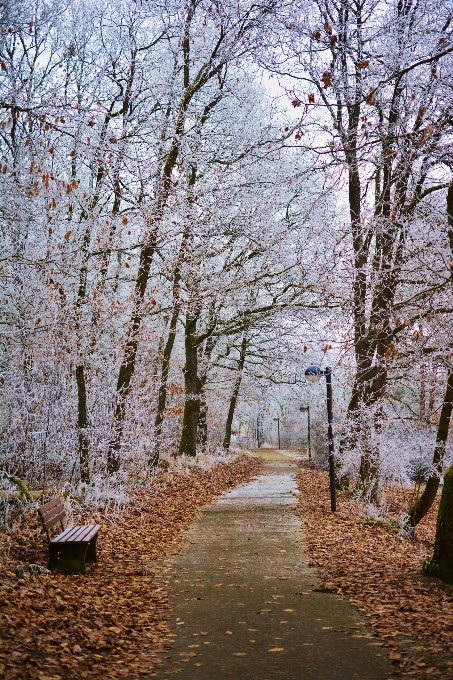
<point x="111" y="623"/>
<point x="379" y="571"/>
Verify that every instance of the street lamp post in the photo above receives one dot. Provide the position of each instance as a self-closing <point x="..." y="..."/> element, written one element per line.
<point x="313" y="374"/>
<point x="306" y="409"/>
<point x="278" y="429"/>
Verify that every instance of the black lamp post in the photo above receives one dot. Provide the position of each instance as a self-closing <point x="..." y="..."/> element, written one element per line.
<point x="306" y="409"/>
<point x="278" y="429"/>
<point x="313" y="375"/>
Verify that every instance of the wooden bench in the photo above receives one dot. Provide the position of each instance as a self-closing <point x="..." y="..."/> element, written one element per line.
<point x="70" y="550"/>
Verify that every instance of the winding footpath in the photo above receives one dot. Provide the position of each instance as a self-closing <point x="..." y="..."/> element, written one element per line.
<point x="244" y="601"/>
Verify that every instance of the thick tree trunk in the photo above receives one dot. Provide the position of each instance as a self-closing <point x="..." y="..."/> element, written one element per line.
<point x="422" y="411"/>
<point x="162" y="396"/>
<point x="235" y="394"/>
<point x="422" y="506"/>
<point x="205" y="358"/>
<point x="202" y="432"/>
<point x="188" y="442"/>
<point x="84" y="463"/>
<point x="441" y="564"/>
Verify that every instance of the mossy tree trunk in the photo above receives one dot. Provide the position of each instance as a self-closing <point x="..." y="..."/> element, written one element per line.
<point x="23" y="488"/>
<point x="423" y="504"/>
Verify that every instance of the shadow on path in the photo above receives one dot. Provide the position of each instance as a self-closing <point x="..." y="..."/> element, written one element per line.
<point x="244" y="600"/>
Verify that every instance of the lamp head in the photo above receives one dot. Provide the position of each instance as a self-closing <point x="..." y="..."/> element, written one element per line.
<point x="313" y="374"/>
<point x="304" y="408"/>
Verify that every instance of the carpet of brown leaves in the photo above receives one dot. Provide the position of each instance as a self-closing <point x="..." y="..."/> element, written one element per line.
<point x="379" y="571"/>
<point x="110" y="623"/>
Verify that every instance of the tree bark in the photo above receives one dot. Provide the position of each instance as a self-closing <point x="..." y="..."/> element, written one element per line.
<point x="188" y="442"/>
<point x="205" y="358"/>
<point x="235" y="394"/>
<point x="162" y="395"/>
<point x="84" y="463"/>
<point x="202" y="431"/>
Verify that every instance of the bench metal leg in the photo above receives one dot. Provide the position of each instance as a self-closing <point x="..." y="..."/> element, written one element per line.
<point x="92" y="555"/>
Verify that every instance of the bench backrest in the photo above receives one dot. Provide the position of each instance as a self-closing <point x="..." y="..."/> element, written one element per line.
<point x="50" y="514"/>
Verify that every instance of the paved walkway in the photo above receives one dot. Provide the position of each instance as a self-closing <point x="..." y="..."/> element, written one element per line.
<point x="244" y="601"/>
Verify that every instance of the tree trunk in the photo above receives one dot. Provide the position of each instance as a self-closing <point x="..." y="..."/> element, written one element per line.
<point x="202" y="432"/>
<point x="235" y="394"/>
<point x="188" y="442"/>
<point x="441" y="564"/>
<point x="205" y="358"/>
<point x="82" y="423"/>
<point x="422" y="411"/>
<point x="162" y="396"/>
<point x="422" y="506"/>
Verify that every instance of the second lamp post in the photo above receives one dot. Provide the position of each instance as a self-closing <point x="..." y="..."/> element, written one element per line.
<point x="278" y="428"/>
<point x="313" y="374"/>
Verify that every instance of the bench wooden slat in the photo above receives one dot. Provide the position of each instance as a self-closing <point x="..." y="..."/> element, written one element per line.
<point x="77" y="536"/>
<point x="93" y="530"/>
<point x="62" y="535"/>
<point x="49" y="523"/>
<point x="70" y="531"/>
<point x="48" y="506"/>
<point x="84" y="531"/>
<point x="85" y="534"/>
<point x="53" y="511"/>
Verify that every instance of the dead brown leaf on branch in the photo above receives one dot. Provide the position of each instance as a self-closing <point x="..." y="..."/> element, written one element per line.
<point x="110" y="623"/>
<point x="379" y="571"/>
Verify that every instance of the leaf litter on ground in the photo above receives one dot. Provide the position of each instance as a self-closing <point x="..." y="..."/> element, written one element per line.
<point x="111" y="622"/>
<point x="379" y="570"/>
